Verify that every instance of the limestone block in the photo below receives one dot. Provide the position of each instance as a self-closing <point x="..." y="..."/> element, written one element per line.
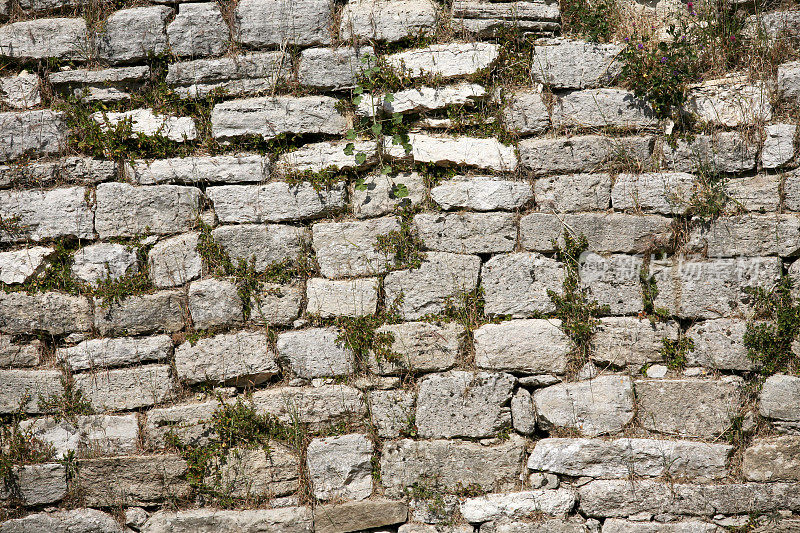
<point x="602" y="108"/>
<point x="277" y="201"/>
<point x="467" y="233"/>
<point x="778" y="146"/>
<point x="517" y="504"/>
<point x="35" y="133"/>
<point x="261" y="245"/>
<point x="491" y="19"/>
<point x="59" y="38"/>
<point x="198" y="30"/>
<point x="91" y="434"/>
<point x="525" y="112"/>
<point x="104" y="261"/>
<point x="772" y="459"/>
<point x="161" y="311"/>
<point x="326" y="156"/>
<point x="445" y="60"/>
<point x="780" y="398"/>
<point x="348" y="248"/>
<point x="358" y="516"/>
<point x="481" y="193"/>
<point x="124" y="210"/>
<point x="727" y="151"/>
<point x="392" y="413"/>
<point x="240" y="75"/>
<point x="44" y="215"/>
<point x="422" y="99"/>
<point x="254" y="473"/>
<point x="131" y="35"/>
<point x="614" y="525"/>
<point x="754" y="193"/>
<point x="77" y="520"/>
<point x="387" y="20"/>
<point x="283" y="520"/>
<point x="612" y="280"/>
<point x="749" y="235"/>
<point x="243" y="358"/>
<point x="587" y="153"/>
<point x="340" y="467"/>
<point x="419" y="347"/>
<point x="175" y="261"/>
<point x="352" y="298"/>
<point x="240" y="168"/>
<point x="315" y="352"/>
<point x="523" y="413"/>
<point x="146" y="122"/>
<point x="719" y="344"/>
<point x="573" y="192"/>
<point x="20" y="91"/>
<point x="788" y="82"/>
<point x="667" y="193"/>
<point x="275" y="304"/>
<point x="189" y="422"/>
<point x="462" y="151"/>
<point x="265" y="23"/>
<point x="333" y="69"/>
<point x="132" y="480"/>
<point x="575" y="64"/>
<point x="516" y="284"/>
<point x="539" y="346"/>
<point x="214" y="303"/>
<point x="80" y="170"/>
<point x="48" y="312"/>
<point x="18" y="266"/>
<point x="19" y="355"/>
<point x="730" y="102"/>
<point x="105" y="85"/>
<point x="776" y="25"/>
<point x="319" y="407"/>
<point x="23" y="389"/>
<point x="630" y="341"/>
<point x="126" y="388"/>
<point x="380" y="194"/>
<point x="38" y="484"/>
<point x="124" y="351"/>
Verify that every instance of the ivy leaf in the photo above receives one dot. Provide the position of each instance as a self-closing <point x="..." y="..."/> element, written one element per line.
<point x="377" y="129"/>
<point x="350" y="135"/>
<point x="357" y="100"/>
<point x="360" y="185"/>
<point x="386" y="170"/>
<point x="400" y="191"/>
<point x="358" y="90"/>
<point x="348" y="149"/>
<point x="360" y="158"/>
<point x="389" y="98"/>
<point x="397" y="118"/>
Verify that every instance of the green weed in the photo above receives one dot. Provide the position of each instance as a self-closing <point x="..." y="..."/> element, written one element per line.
<point x="596" y="20"/>
<point x="67" y="405"/>
<point x="775" y="325"/>
<point x="404" y="245"/>
<point x="674" y="351"/>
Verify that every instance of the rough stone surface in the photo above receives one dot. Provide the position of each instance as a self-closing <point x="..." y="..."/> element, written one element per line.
<point x="603" y="405"/>
<point x="79" y="170"/>
<point x="340" y="467"/>
<point x="326" y="156"/>
<point x="21" y="91"/>
<point x="92" y="434"/>
<point x="482" y="193"/>
<point x="586" y="153"/>
<point x="242" y="75"/>
<point x="539" y="347"/>
<point x="159" y="209"/>
<point x="161" y="311"/>
<point x="276" y="304"/>
<point x="446" y="60"/>
<point x="516" y="284"/>
<point x="481" y="153"/>
<point x="326" y="69"/>
<point x="43" y="215"/>
<point x="778" y="146"/>
<point x="38" y="484"/>
<point x="788" y="82"/>
<point x="667" y="193"/>
<point x="146" y="122"/>
<point x="315" y="352"/>
<point x="242" y="168"/>
<point x="274" y="202"/>
<point x="463" y="404"/>
<point x="725" y="152"/>
<point x="352" y="298"/>
<point x="76" y="520"/>
<point x="749" y="235"/>
<point x="175" y="261"/>
<point x="126" y="388"/>
<point x="525" y="112"/>
<point x="20" y="265"/>
<point x="602" y="108"/>
<point x="48" y="312"/>
<point x="319" y="407"/>
<point x="523" y="413"/>
<point x="392" y="412"/>
<point x="517" y="504"/>
<point x="420" y="347"/>
<point x="262" y="473"/>
<point x="427" y="288"/>
<point x="573" y="192"/>
<point x="574" y="64"/>
<point x="688" y="407"/>
<point x="131" y="34"/>
<point x="60" y="38"/>
<point x="730" y="102"/>
<point x="387" y="20"/>
<point x="124" y="351"/>
<point x="261" y="245"/>
<point x="198" y="30"/>
<point x="754" y="193"/>
<point x="718" y="344"/>
<point x="264" y="23"/>
<point x="284" y="520"/>
<point x="612" y="280"/>
<point x="356" y="516"/>
<point x="22" y="389"/>
<point x="780" y="398"/>
<point x="214" y="303"/>
<point x="243" y="359"/>
<point x="19" y="355"/>
<point x="380" y="196"/>
<point x="622" y="458"/>
<point x="273" y="116"/>
<point x="630" y="341"/>
<point x="467" y="233"/>
<point x="348" y="248"/>
<point x="132" y="480"/>
<point x="422" y="99"/>
<point x="104" y="261"/>
<point x="104" y="85"/>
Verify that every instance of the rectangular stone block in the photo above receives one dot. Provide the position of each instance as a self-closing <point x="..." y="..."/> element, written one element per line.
<point x="259" y="473"/>
<point x="19" y="354"/>
<point x="60" y="38"/>
<point x="124" y="210"/>
<point x="467" y="233"/>
<point x="517" y="284"/>
<point x="132" y="480"/>
<point x="575" y="64"/>
<point x="481" y="153"/>
<point x="352" y="298"/>
<point x="446" y="60"/>
<point x="496" y="507"/>
<point x="392" y="412"/>
<point x="247" y="74"/>
<point x="666" y="193"/>
<point x="105" y="85"/>
<point x="37" y="484"/>
<point x="332" y="69"/>
<point x="489" y="19"/>
<point x="48" y="312"/>
<point x="126" y="388"/>
<point x="215" y="303"/>
<point x="265" y="23"/>
<point x="534" y="346"/>
<point x="44" y="215"/>
<point x="274" y="202"/>
<point x="24" y="389"/>
<point x="105" y="353"/>
<point x="481" y="193"/>
<point x="79" y="170"/>
<point x="161" y="311"/>
<point x="630" y="341"/>
<point x="242" y="168"/>
<point x="276" y="304"/>
<point x="90" y="435"/>
<point x="190" y="423"/>
<point x="358" y="516"/>
<point x="719" y="344"/>
<point x="613" y="281"/>
<point x="602" y="108"/>
<point x="573" y="192"/>
<point x="748" y="235"/>
<point x="419" y="347"/>
<point x="131" y="35"/>
<point x="316" y="352"/>
<point x="261" y="245"/>
<point x="587" y="153"/>
<point x="283" y="520"/>
<point x="273" y="116"/>
<point x="243" y="359"/>
<point x="780" y="398"/>
<point x="350" y="248"/>
<point x="319" y="407"/>
<point x="723" y="152"/>
<point x="387" y="20"/>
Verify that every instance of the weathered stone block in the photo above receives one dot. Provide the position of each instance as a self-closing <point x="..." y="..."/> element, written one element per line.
<point x="462" y="151"/>
<point x="518" y="505"/>
<point x="481" y="193"/>
<point x="539" y="346"/>
<point x="381" y="194"/>
<point x="525" y="112"/>
<point x="126" y="211"/>
<point x="126" y="388"/>
<point x="630" y="341"/>
<point x="422" y="99"/>
<point x="340" y="467"/>
<point x="780" y="398"/>
<point x="445" y="60"/>
<point x="613" y="525"/>
<point x="602" y="108"/>
<point x="83" y="435"/>
<point x="463" y="404"/>
<point x="60" y="38"/>
<point x="35" y="133"/>
<point x="275" y="304"/>
<point x="325" y="157"/>
<point x="190" y="423"/>
<point x="240" y="168"/>
<point x="243" y="358"/>
<point x="124" y="351"/>
<point x="573" y="64"/>
<point x="788" y="82"/>
<point x="104" y="85"/>
<point x="175" y="261"/>
<point x="491" y="19"/>
<point x="778" y="148"/>
<point x="573" y="192"/>
<point x="523" y="412"/>
<point x="387" y="20"/>
<point x="43" y="215"/>
<point x="420" y="347"/>
<point x="613" y="281"/>
<point x="265" y="23"/>
<point x="772" y="459"/>
<point x="667" y="193"/>
<point x="78" y="520"/>
<point x="467" y="233"/>
<point x="261" y="245"/>
<point x="586" y="153"/>
<point x="198" y="30"/>
<point x="19" y="354"/>
<point x="135" y="315"/>
<point x="24" y="389"/>
<point x="20" y="91"/>
<point x="603" y="405"/>
<point x="131" y="35"/>
<point x="274" y="202"/>
<point x="775" y="25"/>
<point x="358" y="516"/>
<point x="104" y="261"/>
<point x="146" y="122"/>
<point x="315" y="353"/>
<point x="18" y="266"/>
<point x="392" y="412"/>
<point x="724" y="152"/>
<point x="349" y="248"/>
<point x="241" y="75"/>
<point x="754" y="193"/>
<point x="719" y="344"/>
<point x="48" y="312"/>
<point x="748" y="235"/>
<point x="81" y="170"/>
<point x="332" y="69"/>
<point x="319" y="407"/>
<point x="426" y="289"/>
<point x="331" y="298"/>
<point x="273" y="116"/>
<point x="516" y="284"/>
<point x="284" y="520"/>
<point x="730" y="102"/>
<point x="214" y="303"/>
<point x="132" y="480"/>
<point x="38" y="484"/>
<point x="254" y="473"/>
<point x="688" y="407"/>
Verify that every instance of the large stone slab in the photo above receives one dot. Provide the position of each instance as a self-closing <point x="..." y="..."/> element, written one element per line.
<point x="688" y="407"/>
<point x="614" y="525"/>
<point x="23" y="389"/>
<point x="215" y="302"/>
<point x="525" y="112"/>
<point x="124" y="351"/>
<point x="358" y="516"/>
<point x="723" y="152"/>
<point x="130" y="35"/>
<point x="34" y="133"/>
<point x="175" y="261"/>
<point x="243" y="358"/>
<point x="273" y="116"/>
<point x="719" y="344"/>
<point x="326" y="156"/>
<point x="780" y="398"/>
<point x="748" y="235"/>
<point x="103" y="261"/>
<point x="43" y="215"/>
<point x="788" y="82"/>
<point x="349" y="248"/>
<point x="491" y="19"/>
<point x="587" y="153"/>
<point x="77" y="520"/>
<point x="381" y="194"/>
<point x="332" y="69"/>
<point x="778" y="148"/>
<point x="259" y="473"/>
<point x="124" y="210"/>
<point x="315" y="353"/>
<point x="352" y="298"/>
<point x="613" y="281"/>
<point x="20" y="91"/>
<point x="340" y="467"/>
<point x="267" y="23"/>
<point x="630" y="341"/>
<point x="126" y="388"/>
<point x="283" y="520"/>
<point x="261" y="245"/>
<point x="603" y="405"/>
<point x="86" y="435"/>
<point x="441" y="277"/>
<point x="392" y="412"/>
<point x="387" y="20"/>
<point x="467" y="233"/>
<point x="667" y="193"/>
<point x="516" y="284"/>
<point x="276" y="304"/>
<point x="463" y="404"/>
<point x="79" y="170"/>
<point x="132" y="480"/>
<point x="481" y="193"/>
<point x="198" y="30"/>
<point x="147" y="122"/>
<point x="240" y="75"/>
<point x="573" y="192"/>
<point x="18" y="266"/>
<point x="622" y="458"/>
<point x="445" y="60"/>
<point x="60" y="38"/>
<point x="422" y="99"/>
<point x="104" y="85"/>
<point x="320" y="407"/>
<point x="481" y="153"/>
<point x="161" y="311"/>
<point x="575" y="64"/>
<point x="772" y="459"/>
<point x="19" y="354"/>
<point x="730" y="102"/>
<point x="37" y="484"/>
<point x="455" y="463"/>
<point x="420" y="347"/>
<point x="47" y="312"/>
<point x="534" y="346"/>
<point x="240" y="168"/>
<point x="602" y="108"/>
<point x="274" y="202"/>
<point x="518" y="505"/>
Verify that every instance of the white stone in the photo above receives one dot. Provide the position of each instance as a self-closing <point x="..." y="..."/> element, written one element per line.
<point x="146" y="122"/>
<point x="523" y="413"/>
<point x="351" y="298"/>
<point x="214" y="303"/>
<point x="778" y="147"/>
<point x="175" y="261"/>
<point x="284" y="520"/>
<point x="130" y="35"/>
<point x="387" y="20"/>
<point x="20" y="91"/>
<point x="315" y="353"/>
<point x="198" y="30"/>
<point x="274" y="202"/>
<point x="261" y="245"/>
<point x="47" y="214"/>
<point x="22" y="389"/>
<point x="463" y="151"/>
<point x="667" y="193"/>
<point x="539" y="346"/>
<point x="445" y="60"/>
<point x="333" y="69"/>
<point x="274" y="304"/>
<point x="243" y="359"/>
<point x="586" y="153"/>
<point x="319" y="157"/>
<point x="20" y="265"/>
<point x="340" y="467"/>
<point x="602" y="108"/>
<point x="266" y="23"/>
<point x="52" y="312"/>
<point x="470" y="233"/>
<point x="516" y="284"/>
<point x="788" y="81"/>
<point x="422" y="99"/>
<point x="419" y="347"/>
<point x="109" y="352"/>
<point x="573" y="192"/>
<point x="525" y="112"/>
<point x="630" y="341"/>
<point x="573" y="64"/>
<point x="240" y="168"/>
<point x="719" y="344"/>
<point x="517" y="505"/>
<point x="240" y="75"/>
<point x="92" y="434"/>
<point x="730" y="102"/>
<point x="147" y="313"/>
<point x="481" y="193"/>
<point x="103" y="261"/>
<point x="780" y="398"/>
<point x="59" y="38"/>
<point x="126" y="388"/>
<point x="727" y="151"/>
<point x="379" y="194"/>
<point x="348" y="248"/>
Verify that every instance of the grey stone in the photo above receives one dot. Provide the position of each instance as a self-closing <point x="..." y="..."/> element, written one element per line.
<point x="87" y="435"/>
<point x="315" y="353"/>
<point x="730" y="102"/>
<point x="80" y="170"/>
<point x="516" y="284"/>
<point x="240" y="168"/>
<point x="612" y="280"/>
<point x="105" y="85"/>
<point x="340" y="467"/>
<point x="261" y="245"/>
<point x="605" y="232"/>
<point x="42" y="215"/>
<point x="24" y="389"/>
<point x="780" y="398"/>
<point x="484" y="153"/>
<point x="754" y="193"/>
<point x="392" y="413"/>
<point x="551" y="525"/>
<point x="492" y="19"/>
<point x="319" y="407"/>
<point x="48" y="312"/>
<point x="688" y="407"/>
<point x="198" y="30"/>
<point x="285" y="520"/>
<point x="776" y="25"/>
<point x="161" y="311"/>
<point x="539" y="346"/>
<point x="574" y="64"/>
<point x="614" y="525"/>
<point x="214" y="303"/>
<point x="132" y="480"/>
<point x="39" y="6"/>
<point x="326" y="157"/>
<point x="724" y="152"/>
<point x="602" y="108"/>
<point x="525" y="112"/>
<point x="748" y="235"/>
<point x="275" y="304"/>
<point x="587" y="153"/>
<point x="422" y="99"/>
<point x="603" y="405"/>
<point x="622" y="458"/>
<point x="518" y="504"/>
<point x="124" y="210"/>
<point x="427" y="289"/>
<point x="19" y="355"/>
<point x="18" y="266"/>
<point x="264" y="23"/>
<point x="124" y="351"/>
<point x="126" y="388"/>
<point x="573" y="192"/>
<point x="190" y="423"/>
<point x="358" y="516"/>
<point x="38" y="484"/>
<point x="467" y="233"/>
<point x="791" y="191"/>
<point x="463" y="404"/>
<point x="352" y="298"/>
<point x="332" y="69"/>
<point x="452" y="463"/>
<point x="615" y="498"/>
<point x="258" y="473"/>
<point x="419" y="347"/>
<point x="481" y="193"/>
<point x="20" y="91"/>
<point x="380" y="197"/>
<point x="240" y="75"/>
<point x="348" y="248"/>
<point x="272" y="116"/>
<point x="667" y="193"/>
<point x="719" y="344"/>
<point x="104" y="261"/>
<point x="74" y="521"/>
<point x="772" y="459"/>
<point x="630" y="341"/>
<point x="243" y="358"/>
<point x="131" y="35"/>
<point x="711" y="288"/>
<point x="387" y="20"/>
<point x="788" y="81"/>
<point x="523" y="413"/>
<point x="445" y="60"/>
<point x="59" y="38"/>
<point x="778" y="146"/>
<point x="147" y="122"/>
<point x="175" y="261"/>
<point x="36" y="133"/>
<point x="274" y="202"/>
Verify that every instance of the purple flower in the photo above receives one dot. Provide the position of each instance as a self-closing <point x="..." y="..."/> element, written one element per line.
<point x="663" y="59"/>
<point x="640" y="46"/>
<point x="627" y="39"/>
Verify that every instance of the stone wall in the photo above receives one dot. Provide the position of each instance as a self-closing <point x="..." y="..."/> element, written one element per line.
<point x="219" y="314"/>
